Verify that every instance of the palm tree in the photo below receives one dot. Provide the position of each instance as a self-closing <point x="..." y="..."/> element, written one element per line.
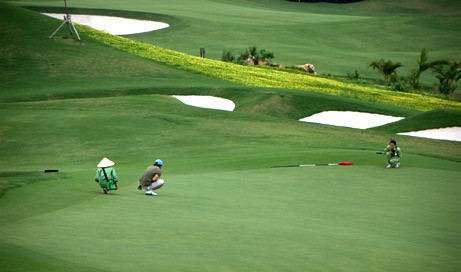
<point x="448" y="75"/>
<point x="423" y="65"/>
<point x="387" y="68"/>
<point x="256" y="55"/>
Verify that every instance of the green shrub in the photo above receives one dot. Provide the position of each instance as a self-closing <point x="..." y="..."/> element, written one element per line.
<point x="228" y="56"/>
<point x="354" y="75"/>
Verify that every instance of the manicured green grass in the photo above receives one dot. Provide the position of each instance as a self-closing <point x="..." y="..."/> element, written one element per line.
<point x="222" y="202"/>
<point x="223" y="208"/>
<point x="336" y="38"/>
<point x="248" y="76"/>
<point x="433" y="119"/>
<point x="32" y="63"/>
<point x="242" y="220"/>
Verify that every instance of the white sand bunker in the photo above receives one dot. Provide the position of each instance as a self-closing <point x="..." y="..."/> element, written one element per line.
<point x="351" y="119"/>
<point x="113" y="25"/>
<point x="362" y="120"/>
<point x="208" y="102"/>
<point x="449" y="133"/>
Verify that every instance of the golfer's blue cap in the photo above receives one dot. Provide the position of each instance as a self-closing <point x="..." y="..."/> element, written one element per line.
<point x="158" y="162"/>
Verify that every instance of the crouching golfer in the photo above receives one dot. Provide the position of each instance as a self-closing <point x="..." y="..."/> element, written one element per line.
<point x="150" y="179"/>
<point x="393" y="154"/>
<point x="106" y="176"/>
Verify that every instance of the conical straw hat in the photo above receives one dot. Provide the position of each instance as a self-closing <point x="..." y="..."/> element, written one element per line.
<point x="105" y="163"/>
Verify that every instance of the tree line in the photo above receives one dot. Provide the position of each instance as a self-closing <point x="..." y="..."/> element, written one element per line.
<point x="446" y="72"/>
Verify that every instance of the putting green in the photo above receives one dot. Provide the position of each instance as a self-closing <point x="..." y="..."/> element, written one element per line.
<point x="213" y="219"/>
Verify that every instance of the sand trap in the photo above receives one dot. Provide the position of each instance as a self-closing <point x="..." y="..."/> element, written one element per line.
<point x="449" y="133"/>
<point x="113" y="25"/>
<point x="208" y="102"/>
<point x="350" y="119"/>
<point x="362" y="120"/>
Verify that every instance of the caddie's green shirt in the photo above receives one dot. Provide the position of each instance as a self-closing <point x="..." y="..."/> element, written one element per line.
<point x="101" y="179"/>
<point x="149" y="173"/>
<point x="397" y="153"/>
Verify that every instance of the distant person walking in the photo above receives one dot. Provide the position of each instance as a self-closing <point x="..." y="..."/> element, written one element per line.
<point x="393" y="154"/>
<point x="150" y="179"/>
<point x="106" y="176"/>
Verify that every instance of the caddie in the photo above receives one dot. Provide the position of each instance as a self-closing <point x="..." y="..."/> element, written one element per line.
<point x="150" y="179"/>
<point x="393" y="154"/>
<point x="106" y="176"/>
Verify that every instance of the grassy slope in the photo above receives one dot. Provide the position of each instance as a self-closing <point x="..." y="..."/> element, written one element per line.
<point x="275" y="78"/>
<point x="434" y="119"/>
<point x="63" y="64"/>
<point x="222" y="202"/>
<point x="336" y="38"/>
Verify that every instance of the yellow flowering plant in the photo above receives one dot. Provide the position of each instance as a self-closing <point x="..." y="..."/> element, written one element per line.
<point x="255" y="77"/>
